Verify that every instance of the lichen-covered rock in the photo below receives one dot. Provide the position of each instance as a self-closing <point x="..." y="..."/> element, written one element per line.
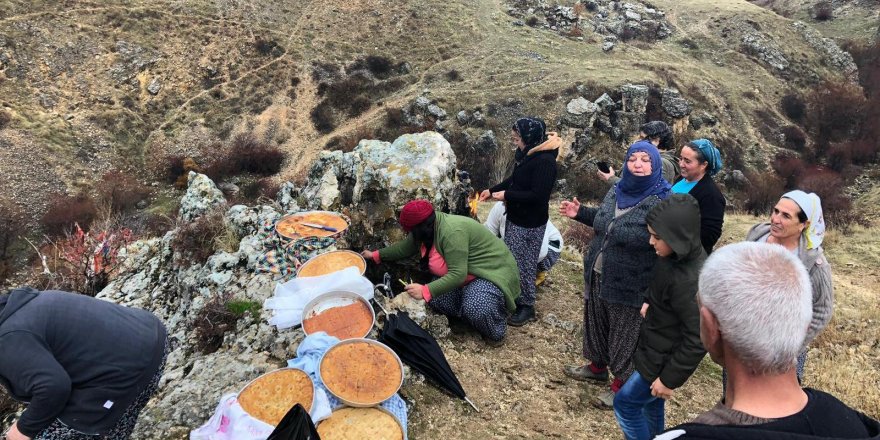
<point x="634" y="98"/>
<point x="377" y="178"/>
<point x="288" y="198"/>
<point x="201" y="196"/>
<point x="832" y="53"/>
<point x="764" y="49"/>
<point x="673" y="104"/>
<point x="580" y="113"/>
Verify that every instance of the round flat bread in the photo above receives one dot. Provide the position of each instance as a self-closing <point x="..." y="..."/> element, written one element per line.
<point x="332" y="262"/>
<point x="270" y="396"/>
<point x="292" y="227"/>
<point x="361" y="373"/>
<point x="360" y="423"/>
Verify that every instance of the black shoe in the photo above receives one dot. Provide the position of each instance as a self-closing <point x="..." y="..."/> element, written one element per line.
<point x="523" y="315"/>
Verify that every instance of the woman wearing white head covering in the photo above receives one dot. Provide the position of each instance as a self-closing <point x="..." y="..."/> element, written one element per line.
<point x="797" y="224"/>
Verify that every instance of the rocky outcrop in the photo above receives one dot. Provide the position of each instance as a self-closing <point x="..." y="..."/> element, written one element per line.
<point x="377" y="178"/>
<point x="202" y="195"/>
<point x="369" y="184"/>
<point x="832" y="54"/>
<point x="610" y="20"/>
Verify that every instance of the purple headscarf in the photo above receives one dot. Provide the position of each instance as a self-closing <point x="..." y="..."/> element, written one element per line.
<point x="633" y="189"/>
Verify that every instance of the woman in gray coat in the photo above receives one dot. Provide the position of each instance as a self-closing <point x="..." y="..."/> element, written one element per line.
<point x="797" y="224"/>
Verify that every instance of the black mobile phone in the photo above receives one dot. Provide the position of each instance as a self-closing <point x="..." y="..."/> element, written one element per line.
<point x="603" y="166"/>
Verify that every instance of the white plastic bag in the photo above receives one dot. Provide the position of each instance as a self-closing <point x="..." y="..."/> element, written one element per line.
<point x="230" y="422"/>
<point x="291" y="297"/>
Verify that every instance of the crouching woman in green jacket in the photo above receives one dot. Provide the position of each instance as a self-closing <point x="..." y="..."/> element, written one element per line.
<point x="477" y="279"/>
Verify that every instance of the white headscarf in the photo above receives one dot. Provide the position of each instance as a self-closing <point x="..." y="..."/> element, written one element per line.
<point x="812" y="206"/>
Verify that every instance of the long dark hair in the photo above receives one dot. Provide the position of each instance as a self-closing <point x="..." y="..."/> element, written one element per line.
<point x="423" y="234"/>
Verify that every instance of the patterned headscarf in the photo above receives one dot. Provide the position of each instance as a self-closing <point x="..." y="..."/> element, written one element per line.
<point x="712" y="155"/>
<point x="632" y="189"/>
<point x="812" y="207"/>
<point x="533" y="132"/>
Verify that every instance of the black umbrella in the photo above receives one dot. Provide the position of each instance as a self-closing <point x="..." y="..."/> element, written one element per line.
<point x="296" y="425"/>
<point x="418" y="349"/>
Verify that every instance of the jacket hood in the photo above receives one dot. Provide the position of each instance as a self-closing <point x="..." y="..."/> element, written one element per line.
<point x="553" y="142"/>
<point x="677" y="221"/>
<point x="807" y="256"/>
<point x="13" y="301"/>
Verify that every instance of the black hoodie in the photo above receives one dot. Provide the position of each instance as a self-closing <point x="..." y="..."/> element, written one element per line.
<point x="669" y="345"/>
<point x="75" y="358"/>
<point x="824" y="418"/>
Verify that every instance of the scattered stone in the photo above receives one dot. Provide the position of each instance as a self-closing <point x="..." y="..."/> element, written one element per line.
<point x="580" y="112"/>
<point x="155" y="86"/>
<point x="605" y="103"/>
<point x="607" y="46"/>
<point x="201" y="196"/>
<point x="634" y="98"/>
<point x="463" y="118"/>
<point x="673" y="104"/>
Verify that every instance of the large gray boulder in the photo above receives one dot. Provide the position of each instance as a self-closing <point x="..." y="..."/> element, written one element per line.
<point x="831" y="52"/>
<point x="634" y="98"/>
<point x="372" y="182"/>
<point x="201" y="196"/>
<point x="673" y="104"/>
<point x="580" y="113"/>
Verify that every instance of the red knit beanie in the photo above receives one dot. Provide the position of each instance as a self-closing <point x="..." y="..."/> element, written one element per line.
<point x="414" y="213"/>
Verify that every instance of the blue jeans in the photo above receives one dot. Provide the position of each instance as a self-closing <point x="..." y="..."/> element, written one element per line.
<point x="639" y="414"/>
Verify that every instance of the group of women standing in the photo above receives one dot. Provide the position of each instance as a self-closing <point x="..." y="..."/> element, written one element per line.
<point x="481" y="279"/>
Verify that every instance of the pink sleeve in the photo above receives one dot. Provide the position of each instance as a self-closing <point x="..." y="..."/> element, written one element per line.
<point x="426" y="293"/>
<point x="376" y="258"/>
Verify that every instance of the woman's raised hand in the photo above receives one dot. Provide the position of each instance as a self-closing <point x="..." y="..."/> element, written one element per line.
<point x="606" y="176"/>
<point x="485" y="195"/>
<point x="570" y="208"/>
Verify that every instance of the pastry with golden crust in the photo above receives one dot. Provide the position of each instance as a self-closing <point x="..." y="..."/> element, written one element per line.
<point x="360" y="423"/>
<point x="344" y="322"/>
<point x="292" y="226"/>
<point x="361" y="373"/>
<point x="270" y="396"/>
<point x="330" y="262"/>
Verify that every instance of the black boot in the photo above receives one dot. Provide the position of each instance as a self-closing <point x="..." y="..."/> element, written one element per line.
<point x="521" y="316"/>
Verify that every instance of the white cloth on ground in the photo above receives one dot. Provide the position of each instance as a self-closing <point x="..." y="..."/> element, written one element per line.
<point x="291" y="297"/>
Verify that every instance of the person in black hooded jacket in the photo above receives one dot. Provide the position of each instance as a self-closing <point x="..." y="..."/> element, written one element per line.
<point x="755" y="308"/>
<point x="85" y="367"/>
<point x="669" y="348"/>
<point x="526" y="194"/>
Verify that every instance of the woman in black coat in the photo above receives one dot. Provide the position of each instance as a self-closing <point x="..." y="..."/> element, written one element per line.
<point x="699" y="161"/>
<point x="526" y="196"/>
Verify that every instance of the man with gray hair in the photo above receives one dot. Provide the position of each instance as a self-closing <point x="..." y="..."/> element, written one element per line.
<point x="755" y="308"/>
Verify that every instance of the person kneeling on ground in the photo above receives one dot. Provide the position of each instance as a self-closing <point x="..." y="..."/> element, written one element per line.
<point x="669" y="348"/>
<point x="755" y="308"/>
<point x="86" y="367"/>
<point x="478" y="279"/>
<point x="551" y="247"/>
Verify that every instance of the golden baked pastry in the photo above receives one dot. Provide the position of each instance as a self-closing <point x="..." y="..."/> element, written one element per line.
<point x="292" y="226"/>
<point x="344" y="322"/>
<point x="330" y="262"/>
<point x="361" y="373"/>
<point x="270" y="396"/>
<point x="360" y="423"/>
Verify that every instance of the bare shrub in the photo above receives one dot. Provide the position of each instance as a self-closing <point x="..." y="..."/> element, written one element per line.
<point x="5" y="119"/>
<point x="212" y="322"/>
<point x="578" y="236"/>
<point x="245" y="154"/>
<point x="763" y="193"/>
<point x="453" y="75"/>
<point x="12" y="225"/>
<point x="836" y="205"/>
<point x="66" y="211"/>
<point x="550" y="96"/>
<point x="322" y="117"/>
<point x="789" y="169"/>
<point x="793" y="107"/>
<point x="823" y="11"/>
<point x="836" y="111"/>
<point x="795" y="138"/>
<point x="120" y="192"/>
<point x="194" y="242"/>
